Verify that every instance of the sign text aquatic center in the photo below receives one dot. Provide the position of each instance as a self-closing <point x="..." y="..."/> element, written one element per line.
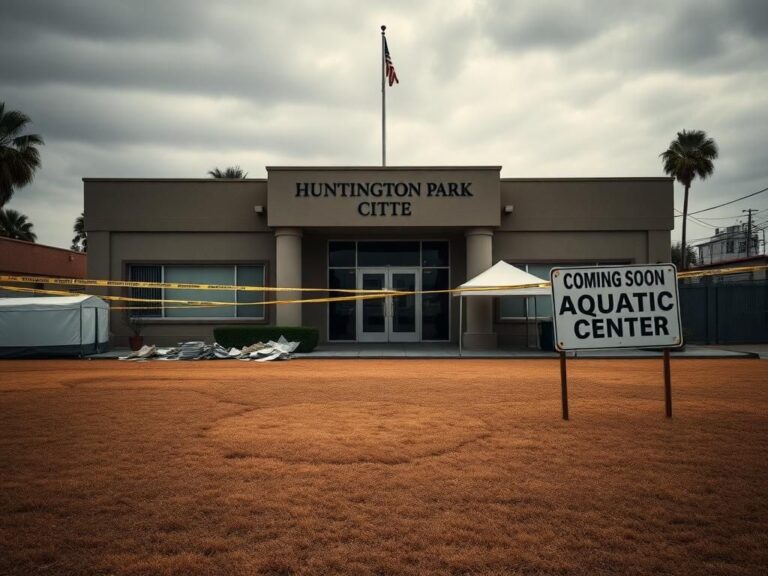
<point x="616" y="307"/>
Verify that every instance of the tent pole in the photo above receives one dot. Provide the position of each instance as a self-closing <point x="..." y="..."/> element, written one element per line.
<point x="81" y="329"/>
<point x="536" y="322"/>
<point x="461" y="321"/>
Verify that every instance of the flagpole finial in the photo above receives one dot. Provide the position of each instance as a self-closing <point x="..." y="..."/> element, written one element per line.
<point x="383" y="28"/>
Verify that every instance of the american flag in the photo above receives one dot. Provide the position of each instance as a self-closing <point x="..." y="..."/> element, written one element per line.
<point x="389" y="69"/>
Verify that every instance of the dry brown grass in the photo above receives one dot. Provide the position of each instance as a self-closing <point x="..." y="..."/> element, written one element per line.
<point x="382" y="467"/>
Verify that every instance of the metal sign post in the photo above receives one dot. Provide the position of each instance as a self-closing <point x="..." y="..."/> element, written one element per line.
<point x="667" y="384"/>
<point x="604" y="307"/>
<point x="564" y="384"/>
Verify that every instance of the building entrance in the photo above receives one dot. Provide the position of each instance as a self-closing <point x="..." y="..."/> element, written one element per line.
<point x="389" y="319"/>
<point x="403" y="265"/>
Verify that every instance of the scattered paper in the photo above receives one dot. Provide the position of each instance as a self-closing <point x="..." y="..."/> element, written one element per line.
<point x="260" y="352"/>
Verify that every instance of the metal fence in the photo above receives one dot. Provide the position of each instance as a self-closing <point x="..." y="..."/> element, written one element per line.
<point x="725" y="313"/>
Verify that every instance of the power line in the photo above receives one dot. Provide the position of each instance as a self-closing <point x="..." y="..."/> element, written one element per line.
<point x="700" y="239"/>
<point x="724" y="217"/>
<point x="726" y="203"/>
<point x="701" y="223"/>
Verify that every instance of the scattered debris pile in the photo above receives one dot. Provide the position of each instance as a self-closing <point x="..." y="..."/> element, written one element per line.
<point x="259" y="352"/>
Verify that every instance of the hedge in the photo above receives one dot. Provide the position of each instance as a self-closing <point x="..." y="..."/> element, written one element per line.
<point x="240" y="336"/>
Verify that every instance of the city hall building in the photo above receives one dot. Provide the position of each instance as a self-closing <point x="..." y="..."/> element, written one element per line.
<point x="401" y="228"/>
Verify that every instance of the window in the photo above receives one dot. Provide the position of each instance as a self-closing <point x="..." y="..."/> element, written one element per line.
<point x="435" y="308"/>
<point x="146" y="274"/>
<point x="388" y="253"/>
<point x="244" y="304"/>
<point x="341" y="254"/>
<point x="341" y="315"/>
<point x="521" y="307"/>
<point x="540" y="307"/>
<point x="729" y="246"/>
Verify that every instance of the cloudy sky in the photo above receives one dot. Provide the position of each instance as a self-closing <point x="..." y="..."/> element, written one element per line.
<point x="174" y="88"/>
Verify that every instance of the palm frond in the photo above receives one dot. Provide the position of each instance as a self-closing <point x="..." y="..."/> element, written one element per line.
<point x="14" y="224"/>
<point x="19" y="156"/>
<point x="232" y="172"/>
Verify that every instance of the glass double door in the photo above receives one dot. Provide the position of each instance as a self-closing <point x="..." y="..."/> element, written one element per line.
<point x="393" y="318"/>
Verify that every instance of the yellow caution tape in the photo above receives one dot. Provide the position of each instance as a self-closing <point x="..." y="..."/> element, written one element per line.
<point x="171" y="285"/>
<point x="720" y="271"/>
<point x="355" y="294"/>
<point x="228" y="287"/>
<point x="193" y="303"/>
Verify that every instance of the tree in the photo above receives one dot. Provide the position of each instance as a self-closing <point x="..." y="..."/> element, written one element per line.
<point x="230" y="172"/>
<point x="690" y="155"/>
<point x="80" y="241"/>
<point x="15" y="225"/>
<point x="19" y="156"/>
<point x="677" y="259"/>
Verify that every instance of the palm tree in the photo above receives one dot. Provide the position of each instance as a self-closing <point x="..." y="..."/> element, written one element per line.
<point x="19" y="157"/>
<point x="231" y="172"/>
<point x="80" y="241"/>
<point x="15" y="225"/>
<point x="689" y="155"/>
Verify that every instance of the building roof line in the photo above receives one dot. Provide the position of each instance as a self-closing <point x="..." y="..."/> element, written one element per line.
<point x="45" y="246"/>
<point x="208" y="180"/>
<point x="590" y="179"/>
<point x="378" y="168"/>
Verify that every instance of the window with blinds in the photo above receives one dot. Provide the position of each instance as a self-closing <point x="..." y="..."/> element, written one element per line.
<point x="244" y="304"/>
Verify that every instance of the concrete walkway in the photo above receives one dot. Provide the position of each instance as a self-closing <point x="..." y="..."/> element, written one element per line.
<point x="434" y="350"/>
<point x="431" y="350"/>
<point x="759" y="349"/>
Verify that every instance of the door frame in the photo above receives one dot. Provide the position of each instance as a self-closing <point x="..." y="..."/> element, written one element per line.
<point x="360" y="335"/>
<point x="388" y="335"/>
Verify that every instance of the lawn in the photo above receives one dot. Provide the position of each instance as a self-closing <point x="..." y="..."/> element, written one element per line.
<point x="382" y="467"/>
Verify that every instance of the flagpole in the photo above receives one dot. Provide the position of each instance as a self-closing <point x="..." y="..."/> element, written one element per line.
<point x="383" y="104"/>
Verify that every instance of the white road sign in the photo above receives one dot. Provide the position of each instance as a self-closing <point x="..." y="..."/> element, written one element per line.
<point x="616" y="307"/>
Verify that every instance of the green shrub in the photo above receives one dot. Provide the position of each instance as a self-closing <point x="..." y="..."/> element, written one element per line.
<point x="240" y="336"/>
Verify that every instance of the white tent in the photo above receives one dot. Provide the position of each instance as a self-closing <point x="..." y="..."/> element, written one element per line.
<point x="501" y="279"/>
<point x="53" y="326"/>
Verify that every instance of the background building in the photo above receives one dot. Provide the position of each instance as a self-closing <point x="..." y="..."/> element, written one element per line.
<point x="20" y="258"/>
<point x="728" y="244"/>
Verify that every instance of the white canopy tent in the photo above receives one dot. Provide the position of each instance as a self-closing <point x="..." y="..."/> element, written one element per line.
<point x="53" y="326"/>
<point x="501" y="279"/>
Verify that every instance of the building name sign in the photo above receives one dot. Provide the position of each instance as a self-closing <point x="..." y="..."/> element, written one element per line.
<point x="616" y="307"/>
<point x="384" y="198"/>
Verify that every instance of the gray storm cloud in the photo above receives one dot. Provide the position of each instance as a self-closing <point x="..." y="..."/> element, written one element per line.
<point x="550" y="88"/>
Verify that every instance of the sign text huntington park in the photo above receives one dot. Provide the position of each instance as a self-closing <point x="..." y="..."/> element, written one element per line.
<point x="616" y="307"/>
<point x="384" y="198"/>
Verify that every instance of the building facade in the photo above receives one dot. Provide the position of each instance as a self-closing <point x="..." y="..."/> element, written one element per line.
<point x="404" y="228"/>
<point x="731" y="243"/>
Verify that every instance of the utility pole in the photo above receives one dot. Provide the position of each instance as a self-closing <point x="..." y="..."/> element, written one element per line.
<point x="749" y="229"/>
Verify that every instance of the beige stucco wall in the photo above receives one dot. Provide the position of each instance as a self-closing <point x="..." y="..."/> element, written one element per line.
<point x="175" y="205"/>
<point x="173" y="220"/>
<point x="580" y="220"/>
<point x="588" y="204"/>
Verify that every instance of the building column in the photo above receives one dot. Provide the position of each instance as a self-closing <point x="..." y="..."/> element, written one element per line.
<point x="479" y="334"/>
<point x="288" y="274"/>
